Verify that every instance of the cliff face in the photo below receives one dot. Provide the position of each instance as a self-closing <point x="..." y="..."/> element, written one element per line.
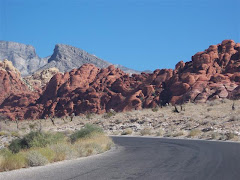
<point x="211" y="74"/>
<point x="23" y="57"/>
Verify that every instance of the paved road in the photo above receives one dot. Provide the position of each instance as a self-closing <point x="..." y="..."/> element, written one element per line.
<point x="146" y="158"/>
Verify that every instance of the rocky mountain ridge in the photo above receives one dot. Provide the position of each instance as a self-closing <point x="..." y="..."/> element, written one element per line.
<point x="211" y="74"/>
<point x="23" y="57"/>
<point x="64" y="57"/>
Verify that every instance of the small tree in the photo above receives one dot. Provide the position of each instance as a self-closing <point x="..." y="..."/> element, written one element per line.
<point x="17" y="122"/>
<point x="52" y="119"/>
<point x="72" y="116"/>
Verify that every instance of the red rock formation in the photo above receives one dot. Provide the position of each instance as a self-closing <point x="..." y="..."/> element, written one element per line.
<point x="14" y="93"/>
<point x="212" y="74"/>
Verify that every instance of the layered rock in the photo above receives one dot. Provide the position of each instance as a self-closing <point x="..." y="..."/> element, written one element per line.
<point x="212" y="74"/>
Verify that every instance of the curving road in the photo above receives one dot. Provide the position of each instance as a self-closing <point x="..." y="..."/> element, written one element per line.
<point x="146" y="158"/>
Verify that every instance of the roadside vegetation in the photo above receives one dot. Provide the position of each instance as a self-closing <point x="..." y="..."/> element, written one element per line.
<point x="39" y="148"/>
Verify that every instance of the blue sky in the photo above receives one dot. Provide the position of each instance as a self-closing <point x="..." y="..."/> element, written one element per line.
<point x="140" y="34"/>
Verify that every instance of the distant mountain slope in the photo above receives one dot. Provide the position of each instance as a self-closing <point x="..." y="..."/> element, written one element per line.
<point x="64" y="57"/>
<point x="23" y="57"/>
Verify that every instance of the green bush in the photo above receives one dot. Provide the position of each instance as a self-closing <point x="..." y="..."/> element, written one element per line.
<point x="85" y="132"/>
<point x="35" y="139"/>
<point x="18" y="144"/>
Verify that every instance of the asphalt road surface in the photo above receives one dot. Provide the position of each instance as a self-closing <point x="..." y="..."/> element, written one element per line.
<point x="146" y="158"/>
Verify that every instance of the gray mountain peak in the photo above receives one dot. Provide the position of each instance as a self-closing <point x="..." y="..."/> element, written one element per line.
<point x="23" y="57"/>
<point x="64" y="57"/>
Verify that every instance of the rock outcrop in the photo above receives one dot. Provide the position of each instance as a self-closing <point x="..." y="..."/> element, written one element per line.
<point x="13" y="91"/>
<point x="39" y="79"/>
<point x="211" y="74"/>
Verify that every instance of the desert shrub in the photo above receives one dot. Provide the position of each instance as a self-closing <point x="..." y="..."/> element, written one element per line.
<point x="35" y="158"/>
<point x="145" y="131"/>
<point x="229" y="136"/>
<point x="35" y="139"/>
<point x="109" y="114"/>
<point x="176" y="134"/>
<point x="17" y="144"/>
<point x="89" y="115"/>
<point x="194" y="132"/>
<point x="215" y="135"/>
<point x="213" y="103"/>
<point x="233" y="118"/>
<point x="2" y="133"/>
<point x="127" y="131"/>
<point x="160" y="132"/>
<point x="10" y="161"/>
<point x="63" y="151"/>
<point x="86" y="132"/>
<point x="155" y="109"/>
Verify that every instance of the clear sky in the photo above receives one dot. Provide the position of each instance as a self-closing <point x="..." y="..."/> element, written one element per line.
<point x="140" y="34"/>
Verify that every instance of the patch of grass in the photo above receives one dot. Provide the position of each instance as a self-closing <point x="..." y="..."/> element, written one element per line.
<point x="15" y="134"/>
<point x="63" y="151"/>
<point x="94" y="145"/>
<point x="47" y="152"/>
<point x="85" y="132"/>
<point x="10" y="161"/>
<point x="34" y="150"/>
<point x="2" y="133"/>
<point x="127" y="131"/>
<point x="194" y="133"/>
<point x="35" y="139"/>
